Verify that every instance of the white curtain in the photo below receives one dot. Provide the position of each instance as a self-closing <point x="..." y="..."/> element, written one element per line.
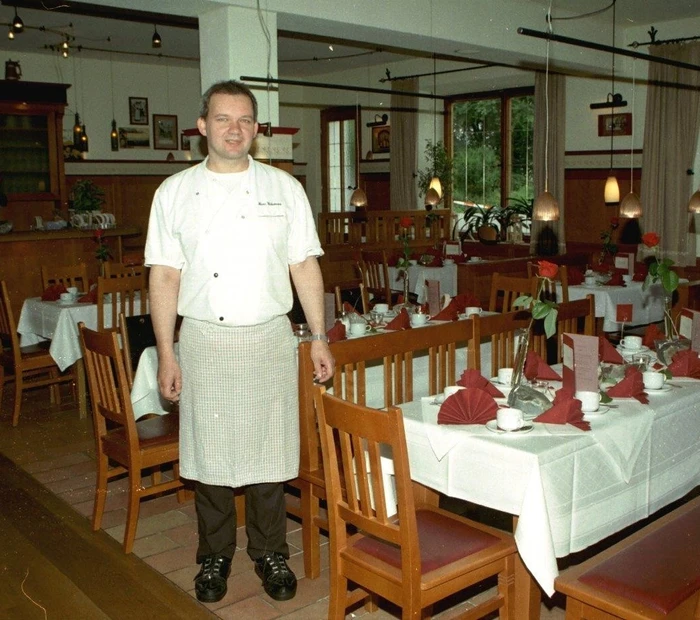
<point x="403" y="149"/>
<point x="556" y="148"/>
<point x="671" y="128"/>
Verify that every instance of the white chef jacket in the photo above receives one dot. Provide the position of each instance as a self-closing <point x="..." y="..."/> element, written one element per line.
<point x="234" y="258"/>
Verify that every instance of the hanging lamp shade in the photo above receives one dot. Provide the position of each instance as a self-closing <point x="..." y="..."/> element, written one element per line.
<point x="546" y="208"/>
<point x="156" y="41"/>
<point x="358" y="198"/>
<point x="436" y="185"/>
<point x="432" y="197"/>
<point x="17" y="23"/>
<point x="630" y="207"/>
<point x="612" y="191"/>
<point x="694" y="203"/>
<point x="114" y="136"/>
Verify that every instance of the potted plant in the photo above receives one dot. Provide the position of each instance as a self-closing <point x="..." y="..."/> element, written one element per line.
<point x="87" y="196"/>
<point x="478" y="223"/>
<point x="518" y="211"/>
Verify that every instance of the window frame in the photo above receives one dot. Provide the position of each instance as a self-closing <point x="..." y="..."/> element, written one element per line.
<point x="338" y="114"/>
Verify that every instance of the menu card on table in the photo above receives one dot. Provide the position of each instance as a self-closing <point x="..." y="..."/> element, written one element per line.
<point x="689" y="327"/>
<point x="433" y="296"/>
<point x="580" y="362"/>
<point x="625" y="261"/>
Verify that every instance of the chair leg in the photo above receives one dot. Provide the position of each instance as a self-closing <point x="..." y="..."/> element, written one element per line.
<point x="338" y="597"/>
<point x="132" y="511"/>
<point x="19" y="388"/>
<point x="310" y="534"/>
<point x="506" y="588"/>
<point x="100" y="492"/>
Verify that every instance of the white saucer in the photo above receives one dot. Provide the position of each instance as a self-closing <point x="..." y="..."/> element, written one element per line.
<point x="642" y="349"/>
<point x="603" y="409"/>
<point x="665" y="388"/>
<point x="61" y="302"/>
<point x="492" y="425"/>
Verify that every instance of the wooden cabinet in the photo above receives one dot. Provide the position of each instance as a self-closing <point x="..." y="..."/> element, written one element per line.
<point x="31" y="149"/>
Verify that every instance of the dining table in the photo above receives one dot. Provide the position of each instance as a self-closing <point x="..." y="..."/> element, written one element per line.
<point x="446" y="275"/>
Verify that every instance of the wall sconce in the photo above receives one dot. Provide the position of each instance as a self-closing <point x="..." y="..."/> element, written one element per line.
<point x="614" y="101"/>
<point x="379" y="120"/>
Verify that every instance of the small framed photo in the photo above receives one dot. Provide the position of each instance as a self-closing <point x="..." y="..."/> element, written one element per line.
<point x="184" y="142"/>
<point x="138" y="111"/>
<point x="134" y="138"/>
<point x="615" y="124"/>
<point x="165" y="132"/>
<point x="381" y="139"/>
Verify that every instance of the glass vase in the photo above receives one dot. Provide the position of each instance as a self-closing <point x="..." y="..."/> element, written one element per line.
<point x="669" y="328"/>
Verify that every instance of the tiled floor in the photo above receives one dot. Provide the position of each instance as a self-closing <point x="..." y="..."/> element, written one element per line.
<point x="57" y="449"/>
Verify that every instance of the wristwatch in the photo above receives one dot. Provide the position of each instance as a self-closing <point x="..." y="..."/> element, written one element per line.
<point x="319" y="337"/>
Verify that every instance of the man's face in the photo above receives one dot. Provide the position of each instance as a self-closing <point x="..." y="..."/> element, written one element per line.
<point x="230" y="129"/>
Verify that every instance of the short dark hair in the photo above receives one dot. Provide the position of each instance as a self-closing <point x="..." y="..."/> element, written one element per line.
<point x="228" y="87"/>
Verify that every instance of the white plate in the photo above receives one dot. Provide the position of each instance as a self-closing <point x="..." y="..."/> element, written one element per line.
<point x="61" y="302"/>
<point x="492" y="425"/>
<point x="603" y="409"/>
<point x="626" y="351"/>
<point x="665" y="388"/>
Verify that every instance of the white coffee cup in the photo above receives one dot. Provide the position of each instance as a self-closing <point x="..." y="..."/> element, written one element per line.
<point x="470" y="310"/>
<point x="509" y="418"/>
<point x="627" y="278"/>
<point x="590" y="401"/>
<point x="358" y="328"/>
<point x="381" y="308"/>
<point x="452" y="389"/>
<point x="73" y="290"/>
<point x="589" y="280"/>
<point x="66" y="298"/>
<point x="505" y="376"/>
<point x="653" y="380"/>
<point x="419" y="319"/>
<point x="632" y="343"/>
<point x="448" y="261"/>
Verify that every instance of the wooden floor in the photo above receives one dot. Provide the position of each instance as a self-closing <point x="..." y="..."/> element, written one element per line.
<point x="47" y="477"/>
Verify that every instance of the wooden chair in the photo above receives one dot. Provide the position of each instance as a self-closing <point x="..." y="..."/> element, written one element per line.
<point x="502" y="330"/>
<point x="506" y="289"/>
<point x="122" y="270"/>
<point x="28" y="367"/>
<point x="374" y="273"/>
<point x="420" y="556"/>
<point x="549" y="290"/>
<point x="70" y="275"/>
<point x="133" y="445"/>
<point x="136" y="334"/>
<point x="127" y="296"/>
<point x="393" y="354"/>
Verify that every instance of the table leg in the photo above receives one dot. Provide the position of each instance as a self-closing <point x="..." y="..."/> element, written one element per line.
<point x="82" y="391"/>
<point x="425" y="495"/>
<point x="527" y="592"/>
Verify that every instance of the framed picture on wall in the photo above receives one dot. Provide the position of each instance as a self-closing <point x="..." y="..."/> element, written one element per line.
<point x="138" y="111"/>
<point x="184" y="142"/>
<point x="381" y="139"/>
<point x="615" y="124"/>
<point x="165" y="132"/>
<point x="134" y="138"/>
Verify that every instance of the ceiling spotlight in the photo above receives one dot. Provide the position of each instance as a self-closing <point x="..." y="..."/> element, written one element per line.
<point x="156" y="41"/>
<point x="17" y="23"/>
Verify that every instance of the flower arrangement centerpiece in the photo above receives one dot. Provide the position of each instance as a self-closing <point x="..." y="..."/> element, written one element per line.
<point x="609" y="247"/>
<point x="405" y="224"/>
<point x="661" y="270"/>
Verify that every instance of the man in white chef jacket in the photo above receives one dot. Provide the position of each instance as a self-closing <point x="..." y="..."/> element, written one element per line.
<point x="223" y="239"/>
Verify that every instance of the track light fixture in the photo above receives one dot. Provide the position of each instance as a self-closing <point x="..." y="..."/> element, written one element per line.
<point x="17" y="23"/>
<point x="156" y="41"/>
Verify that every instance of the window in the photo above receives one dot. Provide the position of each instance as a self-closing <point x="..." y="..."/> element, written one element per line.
<point x="339" y="131"/>
<point x="492" y="146"/>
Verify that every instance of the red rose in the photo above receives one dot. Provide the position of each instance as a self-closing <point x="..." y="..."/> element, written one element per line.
<point x="650" y="239"/>
<point x="614" y="222"/>
<point x="98" y="233"/>
<point x="406" y="222"/>
<point x="547" y="269"/>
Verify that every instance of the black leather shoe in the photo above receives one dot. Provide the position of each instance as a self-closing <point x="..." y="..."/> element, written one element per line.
<point x="210" y="582"/>
<point x="279" y="581"/>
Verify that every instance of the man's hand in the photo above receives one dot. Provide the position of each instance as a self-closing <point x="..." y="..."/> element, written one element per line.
<point x="169" y="379"/>
<point x="324" y="364"/>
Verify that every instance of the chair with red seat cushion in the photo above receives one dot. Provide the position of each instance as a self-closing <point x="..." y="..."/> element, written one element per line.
<point x="415" y="558"/>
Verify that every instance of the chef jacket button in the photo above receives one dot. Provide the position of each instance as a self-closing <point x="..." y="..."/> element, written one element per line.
<point x="242" y="217"/>
<point x="216" y="275"/>
<point x="221" y="318"/>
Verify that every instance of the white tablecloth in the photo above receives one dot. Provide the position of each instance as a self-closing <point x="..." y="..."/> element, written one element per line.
<point x="572" y="489"/>
<point x="145" y="395"/>
<point x="647" y="306"/>
<point x="418" y="274"/>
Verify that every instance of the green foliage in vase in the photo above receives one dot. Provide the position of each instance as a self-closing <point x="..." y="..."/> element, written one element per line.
<point x="87" y="196"/>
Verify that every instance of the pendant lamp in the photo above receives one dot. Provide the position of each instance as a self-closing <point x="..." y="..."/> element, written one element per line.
<point x="358" y="198"/>
<point x="631" y="207"/>
<point x="694" y="204"/>
<point x="611" y="193"/>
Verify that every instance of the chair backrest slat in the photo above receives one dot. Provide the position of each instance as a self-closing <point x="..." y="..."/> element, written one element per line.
<point x="8" y="327"/>
<point x="70" y="275"/>
<point x="506" y="289"/>
<point x="128" y="296"/>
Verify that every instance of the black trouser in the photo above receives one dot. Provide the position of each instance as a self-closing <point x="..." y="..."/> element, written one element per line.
<point x="265" y="520"/>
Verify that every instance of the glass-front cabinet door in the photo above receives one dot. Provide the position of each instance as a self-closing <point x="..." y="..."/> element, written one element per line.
<point x="24" y="153"/>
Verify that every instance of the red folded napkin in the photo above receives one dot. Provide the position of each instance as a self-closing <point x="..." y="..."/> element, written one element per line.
<point x="448" y="313"/>
<point x="53" y="292"/>
<point x="336" y="333"/>
<point x="473" y="406"/>
<point x="574" y="276"/>
<point x="685" y="364"/>
<point x="615" y="279"/>
<point x="640" y="272"/>
<point x="459" y="258"/>
<point x="631" y="386"/>
<point x="348" y="307"/>
<point x="89" y="298"/>
<point x="392" y="260"/>
<point x="607" y="352"/>
<point x="537" y="368"/>
<point x="564" y="410"/>
<point x="472" y="378"/>
<point x="401" y="321"/>
<point x="601" y="267"/>
<point x="462" y="301"/>
<point x="651" y="335"/>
